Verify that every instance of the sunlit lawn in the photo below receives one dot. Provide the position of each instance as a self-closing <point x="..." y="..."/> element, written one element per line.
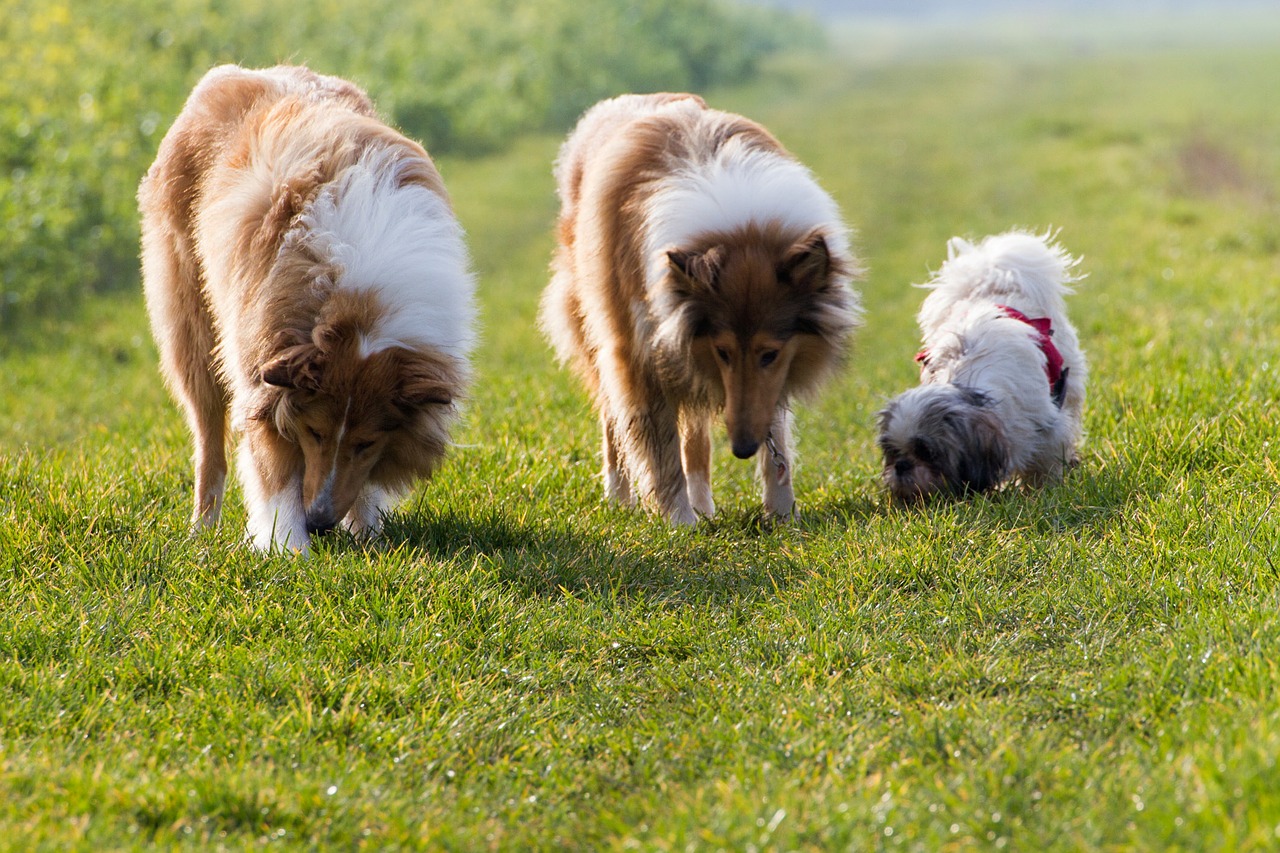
<point x="1092" y="666"/>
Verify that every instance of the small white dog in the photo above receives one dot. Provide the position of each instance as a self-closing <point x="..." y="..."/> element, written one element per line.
<point x="1002" y="378"/>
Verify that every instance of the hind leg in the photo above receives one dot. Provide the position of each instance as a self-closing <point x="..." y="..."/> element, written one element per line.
<point x="185" y="337"/>
<point x="775" y="468"/>
<point x="695" y="454"/>
<point x="209" y="427"/>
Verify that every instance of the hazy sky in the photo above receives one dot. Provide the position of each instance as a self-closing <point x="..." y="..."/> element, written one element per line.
<point x="970" y="9"/>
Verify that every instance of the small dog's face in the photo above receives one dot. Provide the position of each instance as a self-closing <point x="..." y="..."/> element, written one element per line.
<point x="941" y="438"/>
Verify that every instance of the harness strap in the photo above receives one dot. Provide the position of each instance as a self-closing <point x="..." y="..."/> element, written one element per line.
<point x="1054" y="369"/>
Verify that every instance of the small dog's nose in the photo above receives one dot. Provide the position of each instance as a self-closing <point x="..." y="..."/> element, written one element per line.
<point x="745" y="449"/>
<point x="903" y="467"/>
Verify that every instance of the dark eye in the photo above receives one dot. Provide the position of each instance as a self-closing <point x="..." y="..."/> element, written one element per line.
<point x="768" y="358"/>
<point x="922" y="452"/>
<point x="361" y="447"/>
<point x="314" y="434"/>
<point x="722" y="354"/>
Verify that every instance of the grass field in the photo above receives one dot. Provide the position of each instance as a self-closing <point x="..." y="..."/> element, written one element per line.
<point x="518" y="665"/>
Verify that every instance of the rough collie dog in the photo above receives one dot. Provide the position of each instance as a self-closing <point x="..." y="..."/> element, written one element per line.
<point x="1002" y="376"/>
<point x="700" y="268"/>
<point x="306" y="277"/>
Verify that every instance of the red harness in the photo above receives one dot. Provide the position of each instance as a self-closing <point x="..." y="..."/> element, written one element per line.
<point x="1053" y="368"/>
<point x="1044" y="337"/>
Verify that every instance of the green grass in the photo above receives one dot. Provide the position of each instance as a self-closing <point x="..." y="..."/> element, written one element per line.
<point x="518" y="665"/>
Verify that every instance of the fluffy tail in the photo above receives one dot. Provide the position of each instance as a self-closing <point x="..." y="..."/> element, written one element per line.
<point x="1016" y="266"/>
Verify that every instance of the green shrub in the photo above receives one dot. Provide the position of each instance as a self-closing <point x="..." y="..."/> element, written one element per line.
<point x="90" y="88"/>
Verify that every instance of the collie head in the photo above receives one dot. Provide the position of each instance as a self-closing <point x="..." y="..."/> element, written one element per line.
<point x="755" y="316"/>
<point x="942" y="438"/>
<point x="341" y="418"/>
<point x="358" y="389"/>
<point x="748" y="274"/>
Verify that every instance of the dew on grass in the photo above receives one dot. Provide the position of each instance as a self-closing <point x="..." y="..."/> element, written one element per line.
<point x="331" y="790"/>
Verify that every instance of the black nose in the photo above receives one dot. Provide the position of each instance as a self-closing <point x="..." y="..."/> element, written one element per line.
<point x="320" y="525"/>
<point x="745" y="449"/>
<point x="903" y="467"/>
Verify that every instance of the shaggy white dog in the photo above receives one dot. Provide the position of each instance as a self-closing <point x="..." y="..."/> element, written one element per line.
<point x="1001" y="372"/>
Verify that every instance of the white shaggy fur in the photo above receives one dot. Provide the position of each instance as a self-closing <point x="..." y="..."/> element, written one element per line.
<point x="984" y="411"/>
<point x="402" y="243"/>
<point x="737" y="187"/>
<point x="277" y="519"/>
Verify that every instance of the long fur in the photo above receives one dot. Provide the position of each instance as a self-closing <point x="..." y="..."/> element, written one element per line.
<point x="700" y="268"/>
<point x="308" y="283"/>
<point x="984" y="412"/>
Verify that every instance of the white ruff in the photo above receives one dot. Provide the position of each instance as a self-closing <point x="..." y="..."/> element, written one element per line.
<point x="736" y="188"/>
<point x="403" y="244"/>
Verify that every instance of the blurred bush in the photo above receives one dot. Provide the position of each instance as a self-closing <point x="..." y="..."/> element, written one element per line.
<point x="89" y="89"/>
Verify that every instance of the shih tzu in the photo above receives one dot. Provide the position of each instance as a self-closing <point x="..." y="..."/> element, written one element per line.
<point x="1002" y="378"/>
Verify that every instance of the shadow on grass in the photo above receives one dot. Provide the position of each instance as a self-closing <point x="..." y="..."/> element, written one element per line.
<point x="606" y="551"/>
<point x="630" y="557"/>
<point x="1086" y="499"/>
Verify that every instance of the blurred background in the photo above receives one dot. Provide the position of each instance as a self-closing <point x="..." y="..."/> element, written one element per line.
<point x="89" y="88"/>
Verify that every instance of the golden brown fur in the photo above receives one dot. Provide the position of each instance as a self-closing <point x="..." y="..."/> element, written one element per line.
<point x="668" y="321"/>
<point x="252" y="320"/>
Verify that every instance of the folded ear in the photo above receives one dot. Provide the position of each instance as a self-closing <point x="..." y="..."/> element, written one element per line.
<point x="424" y="381"/>
<point x="296" y="367"/>
<point x="807" y="264"/>
<point x="699" y="268"/>
<point x="984" y="461"/>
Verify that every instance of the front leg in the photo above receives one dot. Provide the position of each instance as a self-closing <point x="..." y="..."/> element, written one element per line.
<point x="653" y="439"/>
<point x="369" y="511"/>
<point x="776" y="468"/>
<point x="695" y="453"/>
<point x="617" y="483"/>
<point x="277" y="519"/>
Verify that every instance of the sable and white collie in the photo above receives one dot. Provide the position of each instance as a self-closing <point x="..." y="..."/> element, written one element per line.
<point x="699" y="268"/>
<point x="305" y="276"/>
<point x="1002" y="378"/>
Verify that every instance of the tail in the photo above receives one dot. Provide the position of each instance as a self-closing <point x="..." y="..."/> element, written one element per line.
<point x="1025" y="269"/>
